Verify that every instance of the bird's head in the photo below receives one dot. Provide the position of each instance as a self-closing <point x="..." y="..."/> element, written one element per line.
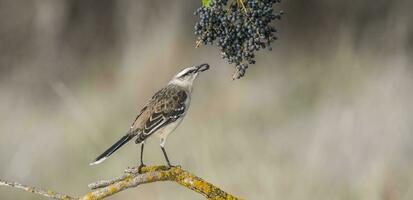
<point x="187" y="76"/>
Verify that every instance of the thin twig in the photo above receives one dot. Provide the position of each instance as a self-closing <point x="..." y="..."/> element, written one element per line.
<point x="46" y="193"/>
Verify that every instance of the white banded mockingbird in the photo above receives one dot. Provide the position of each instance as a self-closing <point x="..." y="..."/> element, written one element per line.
<point x="162" y="114"/>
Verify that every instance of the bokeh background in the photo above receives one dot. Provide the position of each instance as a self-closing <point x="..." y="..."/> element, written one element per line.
<point x="328" y="114"/>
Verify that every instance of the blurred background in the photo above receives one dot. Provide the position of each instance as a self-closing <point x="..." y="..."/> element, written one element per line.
<point x="327" y="114"/>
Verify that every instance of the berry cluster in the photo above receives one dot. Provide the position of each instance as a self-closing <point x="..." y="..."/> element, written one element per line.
<point x="238" y="29"/>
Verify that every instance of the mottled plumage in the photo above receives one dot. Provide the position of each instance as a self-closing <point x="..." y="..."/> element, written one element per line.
<point x="162" y="114"/>
<point x="165" y="107"/>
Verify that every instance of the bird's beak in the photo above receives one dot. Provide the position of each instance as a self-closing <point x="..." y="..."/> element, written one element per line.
<point x="201" y="68"/>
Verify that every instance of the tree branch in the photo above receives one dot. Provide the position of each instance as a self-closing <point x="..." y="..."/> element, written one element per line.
<point x="131" y="178"/>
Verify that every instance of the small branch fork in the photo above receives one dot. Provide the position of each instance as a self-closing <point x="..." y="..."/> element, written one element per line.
<point x="132" y="178"/>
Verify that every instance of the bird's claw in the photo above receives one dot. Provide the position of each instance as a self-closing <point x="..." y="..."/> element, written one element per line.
<point x="140" y="168"/>
<point x="170" y="166"/>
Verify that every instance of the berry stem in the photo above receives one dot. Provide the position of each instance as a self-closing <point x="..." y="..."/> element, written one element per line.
<point x="198" y="43"/>
<point x="242" y="5"/>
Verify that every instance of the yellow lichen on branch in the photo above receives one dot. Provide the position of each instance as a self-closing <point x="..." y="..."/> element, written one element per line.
<point x="132" y="178"/>
<point x="153" y="174"/>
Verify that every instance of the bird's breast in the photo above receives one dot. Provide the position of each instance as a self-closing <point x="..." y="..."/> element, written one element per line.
<point x="165" y="131"/>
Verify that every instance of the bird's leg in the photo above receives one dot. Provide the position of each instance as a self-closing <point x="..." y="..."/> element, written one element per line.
<point x="166" y="157"/>
<point x="142" y="145"/>
<point x="164" y="152"/>
<point x="141" y="165"/>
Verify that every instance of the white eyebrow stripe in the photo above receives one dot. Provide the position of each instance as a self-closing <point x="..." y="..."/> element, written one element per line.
<point x="184" y="71"/>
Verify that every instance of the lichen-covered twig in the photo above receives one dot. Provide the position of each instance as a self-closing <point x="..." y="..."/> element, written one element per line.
<point x="46" y="193"/>
<point x="131" y="178"/>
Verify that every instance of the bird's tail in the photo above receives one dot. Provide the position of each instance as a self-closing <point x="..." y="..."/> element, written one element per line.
<point x="112" y="149"/>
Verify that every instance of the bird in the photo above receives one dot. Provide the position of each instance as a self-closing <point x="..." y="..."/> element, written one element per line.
<point x="161" y="115"/>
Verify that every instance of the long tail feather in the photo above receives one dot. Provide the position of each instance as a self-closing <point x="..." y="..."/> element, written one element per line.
<point x="112" y="149"/>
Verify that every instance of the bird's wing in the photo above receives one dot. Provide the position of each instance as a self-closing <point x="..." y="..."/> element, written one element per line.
<point x="134" y="129"/>
<point x="164" y="111"/>
<point x="137" y="117"/>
